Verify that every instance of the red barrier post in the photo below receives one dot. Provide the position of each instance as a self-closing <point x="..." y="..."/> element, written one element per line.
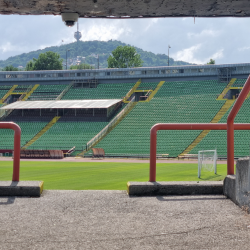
<point x="230" y="126"/>
<point x="17" y="147"/>
<point x="182" y="126"/>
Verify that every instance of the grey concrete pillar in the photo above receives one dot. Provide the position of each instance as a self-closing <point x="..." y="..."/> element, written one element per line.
<point x="243" y="182"/>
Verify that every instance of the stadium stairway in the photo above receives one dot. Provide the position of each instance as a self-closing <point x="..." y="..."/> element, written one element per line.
<point x="8" y="94"/>
<point x="224" y="92"/>
<point x="65" y="91"/>
<point x="40" y="133"/>
<point x="155" y="91"/>
<point x="29" y="92"/>
<point x="49" y="92"/>
<point x="112" y="124"/>
<point x="120" y="116"/>
<point x="24" y="96"/>
<point x="131" y="91"/>
<point x="240" y="89"/>
<point x="216" y="118"/>
<point x="66" y="134"/>
<point x="3" y="91"/>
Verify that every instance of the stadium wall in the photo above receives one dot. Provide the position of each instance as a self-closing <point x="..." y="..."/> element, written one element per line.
<point x="147" y="74"/>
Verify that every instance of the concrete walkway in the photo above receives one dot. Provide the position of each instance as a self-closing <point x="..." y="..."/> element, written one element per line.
<point x="112" y="220"/>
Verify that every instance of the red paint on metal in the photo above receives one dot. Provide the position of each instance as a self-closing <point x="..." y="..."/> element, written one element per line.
<point x="17" y="146"/>
<point x="182" y="126"/>
<point x="230" y="127"/>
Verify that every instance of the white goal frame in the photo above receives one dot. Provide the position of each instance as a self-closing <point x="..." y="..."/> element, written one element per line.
<point x="200" y="160"/>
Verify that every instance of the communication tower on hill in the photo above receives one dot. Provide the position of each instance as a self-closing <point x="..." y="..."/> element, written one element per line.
<point x="77" y="36"/>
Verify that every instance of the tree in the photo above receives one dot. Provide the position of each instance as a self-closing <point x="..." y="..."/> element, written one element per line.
<point x="46" y="61"/>
<point x="211" y="61"/>
<point x="82" y="66"/>
<point x="29" y="66"/>
<point x="124" y="57"/>
<point x="10" y="68"/>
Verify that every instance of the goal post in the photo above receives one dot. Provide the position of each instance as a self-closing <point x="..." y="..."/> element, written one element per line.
<point x="207" y="160"/>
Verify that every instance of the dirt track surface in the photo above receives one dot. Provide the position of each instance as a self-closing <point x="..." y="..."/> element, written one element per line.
<point x="113" y="220"/>
<point x="78" y="159"/>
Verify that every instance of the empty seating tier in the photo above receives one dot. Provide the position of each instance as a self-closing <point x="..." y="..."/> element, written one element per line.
<point x="239" y="83"/>
<point x="47" y="92"/>
<point x="65" y="135"/>
<point x="29" y="130"/>
<point x="218" y="139"/>
<point x="175" y="102"/>
<point x="21" y="88"/>
<point x="4" y="90"/>
<point x="102" y="91"/>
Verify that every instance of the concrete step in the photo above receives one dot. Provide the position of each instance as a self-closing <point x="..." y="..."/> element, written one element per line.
<point x="21" y="188"/>
<point x="175" y="188"/>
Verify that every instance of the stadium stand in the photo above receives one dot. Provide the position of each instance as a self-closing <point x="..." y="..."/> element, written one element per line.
<point x="239" y="82"/>
<point x="102" y="91"/>
<point x="21" y="88"/>
<point x="65" y="135"/>
<point x="175" y="102"/>
<point x="29" y="130"/>
<point x="242" y="138"/>
<point x="4" y="90"/>
<point x="47" y="92"/>
<point x="187" y="101"/>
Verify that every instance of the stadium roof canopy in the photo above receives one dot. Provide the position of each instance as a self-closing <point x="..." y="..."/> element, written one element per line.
<point x="65" y="104"/>
<point x="129" y="8"/>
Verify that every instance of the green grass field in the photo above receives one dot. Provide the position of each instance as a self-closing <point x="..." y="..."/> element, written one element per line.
<point x="103" y="175"/>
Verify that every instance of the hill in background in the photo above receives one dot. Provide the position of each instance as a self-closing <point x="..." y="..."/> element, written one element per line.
<point x="88" y="51"/>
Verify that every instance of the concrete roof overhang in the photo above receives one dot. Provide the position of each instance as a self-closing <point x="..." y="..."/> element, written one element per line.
<point x="129" y="8"/>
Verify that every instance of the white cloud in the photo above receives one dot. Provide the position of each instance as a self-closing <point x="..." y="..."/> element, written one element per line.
<point x="6" y="47"/>
<point x="244" y="48"/>
<point x="203" y="34"/>
<point x="103" y="32"/>
<point x="188" y="55"/>
<point x="150" y="23"/>
<point x="217" y="55"/>
<point x="192" y="55"/>
<point x="222" y="39"/>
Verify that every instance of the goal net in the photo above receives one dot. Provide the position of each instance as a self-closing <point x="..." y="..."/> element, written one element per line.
<point x="207" y="161"/>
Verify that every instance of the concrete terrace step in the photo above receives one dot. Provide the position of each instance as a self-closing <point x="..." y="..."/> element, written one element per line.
<point x="21" y="188"/>
<point x="175" y="188"/>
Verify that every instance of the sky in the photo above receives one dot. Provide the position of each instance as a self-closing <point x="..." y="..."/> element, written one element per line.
<point x="225" y="40"/>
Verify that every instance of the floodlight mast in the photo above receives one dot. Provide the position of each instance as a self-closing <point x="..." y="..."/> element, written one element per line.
<point x="168" y="53"/>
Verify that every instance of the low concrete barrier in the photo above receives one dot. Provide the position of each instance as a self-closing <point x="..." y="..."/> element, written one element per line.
<point x="21" y="188"/>
<point x="237" y="187"/>
<point x="229" y="187"/>
<point x="174" y="188"/>
<point x="243" y="183"/>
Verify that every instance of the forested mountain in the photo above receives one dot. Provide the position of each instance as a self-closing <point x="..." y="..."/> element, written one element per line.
<point x="89" y="50"/>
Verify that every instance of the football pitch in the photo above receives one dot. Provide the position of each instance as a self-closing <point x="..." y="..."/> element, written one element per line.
<point x="103" y="175"/>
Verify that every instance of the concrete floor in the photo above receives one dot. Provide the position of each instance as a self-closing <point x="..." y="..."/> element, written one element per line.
<point x="113" y="220"/>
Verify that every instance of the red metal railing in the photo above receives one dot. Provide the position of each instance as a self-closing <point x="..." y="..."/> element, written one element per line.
<point x="183" y="126"/>
<point x="230" y="127"/>
<point x="17" y="146"/>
